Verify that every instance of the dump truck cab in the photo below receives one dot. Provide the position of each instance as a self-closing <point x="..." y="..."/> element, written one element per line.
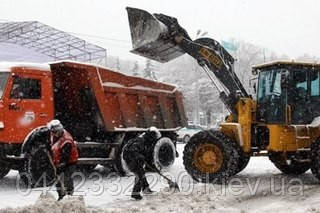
<point x="26" y="102"/>
<point x="288" y="92"/>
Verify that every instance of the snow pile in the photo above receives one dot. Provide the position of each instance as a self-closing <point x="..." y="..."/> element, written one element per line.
<point x="47" y="204"/>
<point x="203" y="199"/>
<point x="164" y="201"/>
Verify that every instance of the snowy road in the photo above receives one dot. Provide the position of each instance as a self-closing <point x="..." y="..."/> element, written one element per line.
<point x="259" y="188"/>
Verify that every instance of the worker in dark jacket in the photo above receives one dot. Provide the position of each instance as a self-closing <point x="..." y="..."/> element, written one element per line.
<point x="64" y="157"/>
<point x="134" y="154"/>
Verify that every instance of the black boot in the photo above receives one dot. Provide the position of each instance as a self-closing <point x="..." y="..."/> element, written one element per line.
<point x="60" y="197"/>
<point x="147" y="190"/>
<point x="136" y="196"/>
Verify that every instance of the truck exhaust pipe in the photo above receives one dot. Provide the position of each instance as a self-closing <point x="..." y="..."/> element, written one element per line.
<point x="152" y="36"/>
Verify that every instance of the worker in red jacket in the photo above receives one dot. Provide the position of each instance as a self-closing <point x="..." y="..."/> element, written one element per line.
<point x="64" y="157"/>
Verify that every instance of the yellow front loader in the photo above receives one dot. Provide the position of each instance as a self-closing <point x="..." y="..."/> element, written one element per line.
<point x="282" y="122"/>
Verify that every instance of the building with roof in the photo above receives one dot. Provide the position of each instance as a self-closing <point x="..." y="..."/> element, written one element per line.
<point x="33" y="41"/>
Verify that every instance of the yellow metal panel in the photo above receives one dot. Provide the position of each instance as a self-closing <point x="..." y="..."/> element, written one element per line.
<point x="241" y="130"/>
<point x="283" y="138"/>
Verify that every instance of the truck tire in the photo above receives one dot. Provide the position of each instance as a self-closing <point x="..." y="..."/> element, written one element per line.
<point x="37" y="170"/>
<point x="315" y="157"/>
<point x="211" y="156"/>
<point x="294" y="168"/>
<point x="163" y="154"/>
<point x="119" y="164"/>
<point x="4" y="169"/>
<point x="124" y="167"/>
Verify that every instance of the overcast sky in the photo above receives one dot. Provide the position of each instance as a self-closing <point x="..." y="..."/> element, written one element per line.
<point x="290" y="27"/>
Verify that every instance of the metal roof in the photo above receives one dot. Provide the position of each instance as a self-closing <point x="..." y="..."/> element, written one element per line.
<point x="255" y="68"/>
<point x="6" y="66"/>
<point x="57" y="44"/>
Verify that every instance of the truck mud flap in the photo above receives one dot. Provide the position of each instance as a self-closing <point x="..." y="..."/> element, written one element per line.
<point x="150" y="37"/>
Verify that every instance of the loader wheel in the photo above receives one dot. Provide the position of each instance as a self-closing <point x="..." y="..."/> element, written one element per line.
<point x="210" y="156"/>
<point x="315" y="158"/>
<point x="4" y="169"/>
<point x="294" y="168"/>
<point x="243" y="162"/>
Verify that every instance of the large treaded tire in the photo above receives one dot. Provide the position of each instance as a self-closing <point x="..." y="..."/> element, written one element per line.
<point x="163" y="154"/>
<point x="37" y="170"/>
<point x="315" y="158"/>
<point x="4" y="169"/>
<point x="243" y="162"/>
<point x="295" y="168"/>
<point x="119" y="164"/>
<point x="222" y="156"/>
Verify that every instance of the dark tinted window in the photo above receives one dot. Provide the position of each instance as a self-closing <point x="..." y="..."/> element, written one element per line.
<point x="25" y="88"/>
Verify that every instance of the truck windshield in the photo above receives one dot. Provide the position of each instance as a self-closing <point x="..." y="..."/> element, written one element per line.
<point x="269" y="85"/>
<point x="3" y="82"/>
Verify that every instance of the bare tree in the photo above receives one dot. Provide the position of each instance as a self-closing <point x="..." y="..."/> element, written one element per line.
<point x="135" y="69"/>
<point x="148" y="71"/>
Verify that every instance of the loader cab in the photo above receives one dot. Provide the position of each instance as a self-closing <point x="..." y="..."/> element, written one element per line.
<point x="288" y="92"/>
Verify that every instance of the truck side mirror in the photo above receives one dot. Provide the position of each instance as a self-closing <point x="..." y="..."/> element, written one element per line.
<point x="253" y="83"/>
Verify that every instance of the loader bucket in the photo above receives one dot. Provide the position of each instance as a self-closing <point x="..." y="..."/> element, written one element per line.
<point x="150" y="37"/>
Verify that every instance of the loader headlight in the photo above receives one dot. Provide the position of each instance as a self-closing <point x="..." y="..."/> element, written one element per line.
<point x="1" y="125"/>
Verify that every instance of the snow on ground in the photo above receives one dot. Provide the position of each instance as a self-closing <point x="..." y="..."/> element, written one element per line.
<point x="259" y="188"/>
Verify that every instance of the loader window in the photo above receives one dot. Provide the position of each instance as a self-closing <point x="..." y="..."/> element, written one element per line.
<point x="300" y="85"/>
<point x="269" y="85"/>
<point x="315" y="83"/>
<point x="299" y="97"/>
<point x="25" y="88"/>
<point x="271" y="98"/>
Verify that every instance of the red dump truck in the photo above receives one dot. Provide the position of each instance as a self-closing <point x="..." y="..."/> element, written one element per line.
<point x="101" y="108"/>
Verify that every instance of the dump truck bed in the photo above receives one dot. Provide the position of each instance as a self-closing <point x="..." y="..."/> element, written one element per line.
<point x="113" y="101"/>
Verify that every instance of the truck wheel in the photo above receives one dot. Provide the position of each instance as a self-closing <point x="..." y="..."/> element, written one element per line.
<point x="4" y="169"/>
<point x="164" y="154"/>
<point x="124" y="166"/>
<point x="211" y="156"/>
<point x="119" y="164"/>
<point x="37" y="170"/>
<point x="315" y="157"/>
<point x="294" y="168"/>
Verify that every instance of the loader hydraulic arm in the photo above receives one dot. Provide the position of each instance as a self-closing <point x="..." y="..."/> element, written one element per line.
<point x="161" y="38"/>
<point x="215" y="60"/>
<point x="212" y="57"/>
